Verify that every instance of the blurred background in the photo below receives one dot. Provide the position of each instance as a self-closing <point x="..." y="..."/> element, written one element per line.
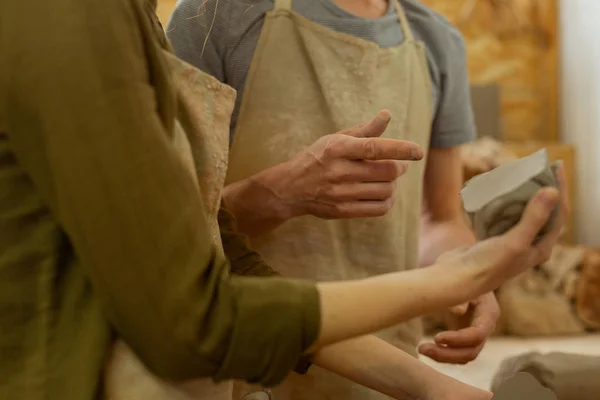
<point x="535" y="72"/>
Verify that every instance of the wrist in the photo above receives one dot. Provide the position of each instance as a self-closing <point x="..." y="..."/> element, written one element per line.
<point x="440" y="237"/>
<point x="465" y="278"/>
<point x="275" y="199"/>
<point x="446" y="387"/>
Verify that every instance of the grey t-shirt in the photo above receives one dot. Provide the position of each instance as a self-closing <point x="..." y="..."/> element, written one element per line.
<point x="220" y="36"/>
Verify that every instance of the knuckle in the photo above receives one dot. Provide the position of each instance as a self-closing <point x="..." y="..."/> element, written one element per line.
<point x="339" y="210"/>
<point x="329" y="191"/>
<point x="335" y="172"/>
<point x="331" y="176"/>
<point x="390" y="170"/>
<point x="401" y="168"/>
<point x="516" y="248"/>
<point x="369" y="149"/>
<point x="386" y="206"/>
<point x="332" y="142"/>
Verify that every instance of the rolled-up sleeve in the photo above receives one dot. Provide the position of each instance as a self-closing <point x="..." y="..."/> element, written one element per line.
<point x="246" y="262"/>
<point x="89" y="117"/>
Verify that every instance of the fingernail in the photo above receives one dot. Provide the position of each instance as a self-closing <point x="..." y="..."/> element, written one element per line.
<point x="385" y="115"/>
<point x="416" y="154"/>
<point x="549" y="198"/>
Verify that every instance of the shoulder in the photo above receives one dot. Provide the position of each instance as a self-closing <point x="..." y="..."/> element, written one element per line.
<point x="231" y="16"/>
<point x="441" y="38"/>
<point x="222" y="22"/>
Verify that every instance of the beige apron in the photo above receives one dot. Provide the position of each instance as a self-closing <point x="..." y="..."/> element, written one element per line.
<point x="307" y="81"/>
<point x="202" y="136"/>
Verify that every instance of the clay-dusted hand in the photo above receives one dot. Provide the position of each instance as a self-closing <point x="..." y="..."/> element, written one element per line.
<point x="503" y="257"/>
<point x="348" y="174"/>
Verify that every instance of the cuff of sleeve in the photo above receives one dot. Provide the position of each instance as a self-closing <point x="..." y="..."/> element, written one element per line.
<point x="277" y="321"/>
<point x="303" y="365"/>
<point x="243" y="260"/>
<point x="449" y="141"/>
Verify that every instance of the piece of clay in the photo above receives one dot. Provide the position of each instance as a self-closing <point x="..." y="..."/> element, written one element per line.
<point x="495" y="200"/>
<point x="569" y="376"/>
<point x="523" y="386"/>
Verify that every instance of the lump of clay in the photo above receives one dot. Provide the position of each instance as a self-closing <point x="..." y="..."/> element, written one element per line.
<point x="496" y="200"/>
<point x="568" y="376"/>
<point x="523" y="386"/>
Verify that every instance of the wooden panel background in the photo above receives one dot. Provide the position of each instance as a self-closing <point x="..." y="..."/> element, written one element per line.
<point x="164" y="10"/>
<point x="513" y="43"/>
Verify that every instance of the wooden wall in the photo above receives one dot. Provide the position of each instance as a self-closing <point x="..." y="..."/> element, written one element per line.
<point x="513" y="43"/>
<point x="164" y="10"/>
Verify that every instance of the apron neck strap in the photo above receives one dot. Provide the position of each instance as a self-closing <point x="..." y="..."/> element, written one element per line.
<point x="283" y="5"/>
<point x="403" y="20"/>
<point x="287" y="5"/>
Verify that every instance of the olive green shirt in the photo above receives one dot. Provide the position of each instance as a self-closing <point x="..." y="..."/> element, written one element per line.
<point x="101" y="231"/>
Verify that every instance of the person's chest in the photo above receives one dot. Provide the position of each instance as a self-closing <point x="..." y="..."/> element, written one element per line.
<point x="385" y="31"/>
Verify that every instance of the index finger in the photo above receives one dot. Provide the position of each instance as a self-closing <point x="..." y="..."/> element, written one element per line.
<point x="376" y="148"/>
<point x="471" y="336"/>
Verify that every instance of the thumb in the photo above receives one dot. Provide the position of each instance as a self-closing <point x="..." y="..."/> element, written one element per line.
<point x="460" y="310"/>
<point x="373" y="128"/>
<point x="535" y="216"/>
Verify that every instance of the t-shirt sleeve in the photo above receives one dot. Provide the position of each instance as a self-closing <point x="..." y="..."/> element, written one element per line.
<point x="453" y="122"/>
<point x="198" y="32"/>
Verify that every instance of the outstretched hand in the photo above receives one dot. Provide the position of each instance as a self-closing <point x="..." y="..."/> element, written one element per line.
<point x="503" y="257"/>
<point x="499" y="259"/>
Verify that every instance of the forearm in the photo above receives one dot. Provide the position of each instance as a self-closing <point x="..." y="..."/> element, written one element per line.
<point x="444" y="225"/>
<point x="257" y="208"/>
<point x="441" y="236"/>
<point x="378" y="365"/>
<point x="352" y="309"/>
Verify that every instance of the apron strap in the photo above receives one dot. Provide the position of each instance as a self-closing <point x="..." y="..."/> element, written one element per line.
<point x="403" y="20"/>
<point x="283" y="5"/>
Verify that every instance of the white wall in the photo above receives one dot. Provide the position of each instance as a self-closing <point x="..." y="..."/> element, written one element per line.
<point x="580" y="112"/>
